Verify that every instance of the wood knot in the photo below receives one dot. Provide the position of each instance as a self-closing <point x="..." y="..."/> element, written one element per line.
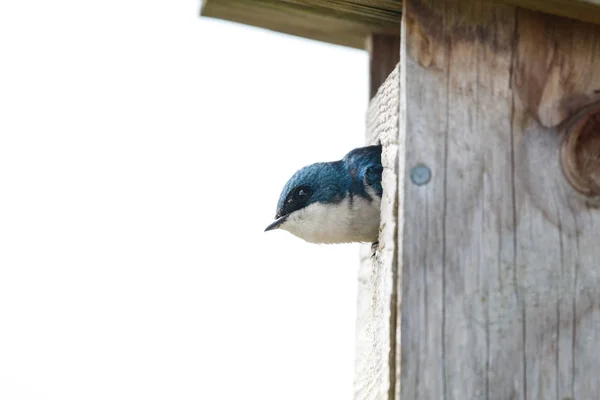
<point x="580" y="154"/>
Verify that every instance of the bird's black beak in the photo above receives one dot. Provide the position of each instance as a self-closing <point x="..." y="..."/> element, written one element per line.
<point x="277" y="223"/>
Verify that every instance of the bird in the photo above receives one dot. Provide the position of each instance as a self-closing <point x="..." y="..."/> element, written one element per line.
<point x="334" y="202"/>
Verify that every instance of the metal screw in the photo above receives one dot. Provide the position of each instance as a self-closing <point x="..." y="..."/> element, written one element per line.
<point x="420" y="175"/>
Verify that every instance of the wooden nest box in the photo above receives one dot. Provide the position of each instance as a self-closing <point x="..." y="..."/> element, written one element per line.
<point x="486" y="282"/>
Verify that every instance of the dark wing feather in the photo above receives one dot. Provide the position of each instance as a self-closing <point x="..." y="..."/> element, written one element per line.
<point x="365" y="165"/>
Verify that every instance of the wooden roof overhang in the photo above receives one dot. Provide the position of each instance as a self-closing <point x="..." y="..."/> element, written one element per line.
<point x="349" y="23"/>
<point x="345" y="23"/>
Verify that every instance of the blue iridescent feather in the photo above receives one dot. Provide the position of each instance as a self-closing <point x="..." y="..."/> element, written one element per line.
<point x="334" y="181"/>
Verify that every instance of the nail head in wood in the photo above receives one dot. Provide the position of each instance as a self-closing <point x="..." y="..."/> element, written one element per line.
<point x="580" y="154"/>
<point x="420" y="175"/>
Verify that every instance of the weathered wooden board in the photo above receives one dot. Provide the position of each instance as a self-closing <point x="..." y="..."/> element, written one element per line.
<point x="350" y="22"/>
<point x="346" y="23"/>
<point x="582" y="10"/>
<point x="384" y="56"/>
<point x="377" y="294"/>
<point x="499" y="256"/>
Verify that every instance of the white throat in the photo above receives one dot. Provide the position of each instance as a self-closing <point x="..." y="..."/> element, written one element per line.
<point x="355" y="220"/>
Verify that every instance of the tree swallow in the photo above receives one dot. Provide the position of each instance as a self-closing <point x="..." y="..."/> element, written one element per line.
<point x="334" y="202"/>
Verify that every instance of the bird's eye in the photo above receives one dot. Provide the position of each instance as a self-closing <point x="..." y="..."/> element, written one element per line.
<point x="302" y="193"/>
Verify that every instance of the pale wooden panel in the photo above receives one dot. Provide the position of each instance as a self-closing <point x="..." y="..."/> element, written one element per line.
<point x="558" y="257"/>
<point x="377" y="298"/>
<point x="423" y="94"/>
<point x="500" y="260"/>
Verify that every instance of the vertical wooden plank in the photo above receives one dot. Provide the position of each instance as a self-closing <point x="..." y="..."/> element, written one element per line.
<point x="377" y="293"/>
<point x="500" y="278"/>
<point x="384" y="56"/>
<point x="557" y="73"/>
<point x="481" y="304"/>
<point x="422" y="136"/>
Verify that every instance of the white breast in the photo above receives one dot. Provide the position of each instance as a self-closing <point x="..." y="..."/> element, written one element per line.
<point x="345" y="222"/>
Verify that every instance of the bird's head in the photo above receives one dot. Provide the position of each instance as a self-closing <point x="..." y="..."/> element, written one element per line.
<point x="308" y="194"/>
<point x="333" y="202"/>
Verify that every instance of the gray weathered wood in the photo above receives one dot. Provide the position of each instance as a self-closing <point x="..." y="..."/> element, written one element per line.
<point x="350" y="22"/>
<point x="377" y="294"/>
<point x="500" y="257"/>
<point x="384" y="55"/>
<point x="346" y="23"/>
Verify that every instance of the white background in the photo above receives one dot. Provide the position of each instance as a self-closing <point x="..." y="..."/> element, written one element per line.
<point x="142" y="152"/>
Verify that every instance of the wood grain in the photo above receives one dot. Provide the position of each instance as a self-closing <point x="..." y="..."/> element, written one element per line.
<point x="377" y="293"/>
<point x="581" y="10"/>
<point x="500" y="280"/>
<point x="350" y="22"/>
<point x="384" y="56"/>
<point x="580" y="153"/>
<point x="346" y="23"/>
